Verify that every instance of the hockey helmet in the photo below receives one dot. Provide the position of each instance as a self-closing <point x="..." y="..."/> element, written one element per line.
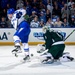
<point x="10" y="11"/>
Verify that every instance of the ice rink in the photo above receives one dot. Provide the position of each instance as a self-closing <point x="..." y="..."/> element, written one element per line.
<point x="11" y="65"/>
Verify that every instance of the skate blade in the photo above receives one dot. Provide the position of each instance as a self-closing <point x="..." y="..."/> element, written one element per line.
<point x="16" y="55"/>
<point x="24" y="61"/>
<point x="16" y="52"/>
<point x="47" y="62"/>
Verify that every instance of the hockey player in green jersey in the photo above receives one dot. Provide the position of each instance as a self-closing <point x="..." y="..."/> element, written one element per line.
<point x="55" y="46"/>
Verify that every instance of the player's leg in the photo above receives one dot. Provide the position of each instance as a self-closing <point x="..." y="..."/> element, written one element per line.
<point x="17" y="45"/>
<point x="25" y="47"/>
<point x="57" y="50"/>
<point x="66" y="57"/>
<point x="47" y="58"/>
<point x="61" y="48"/>
<point x="57" y="53"/>
<point x="26" y="51"/>
<point x="17" y="39"/>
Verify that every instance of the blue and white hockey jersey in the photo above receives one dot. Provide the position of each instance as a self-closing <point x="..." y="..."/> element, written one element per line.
<point x="22" y="27"/>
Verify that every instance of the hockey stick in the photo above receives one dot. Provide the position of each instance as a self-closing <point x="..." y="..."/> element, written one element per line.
<point x="69" y="34"/>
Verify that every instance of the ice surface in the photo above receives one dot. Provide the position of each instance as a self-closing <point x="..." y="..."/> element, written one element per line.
<point x="11" y="65"/>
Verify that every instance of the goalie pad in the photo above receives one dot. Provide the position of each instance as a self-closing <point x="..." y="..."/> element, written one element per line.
<point x="40" y="48"/>
<point x="66" y="57"/>
<point x="46" y="58"/>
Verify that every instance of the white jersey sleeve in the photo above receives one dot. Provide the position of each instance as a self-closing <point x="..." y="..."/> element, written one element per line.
<point x="21" y="10"/>
<point x="14" y="21"/>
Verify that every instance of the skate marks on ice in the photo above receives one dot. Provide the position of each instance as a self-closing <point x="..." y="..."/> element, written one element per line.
<point x="10" y="66"/>
<point x="35" y="63"/>
<point x="39" y="64"/>
<point x="9" y="61"/>
<point x="13" y="65"/>
<point x="57" y="64"/>
<point x="12" y="62"/>
<point x="70" y="64"/>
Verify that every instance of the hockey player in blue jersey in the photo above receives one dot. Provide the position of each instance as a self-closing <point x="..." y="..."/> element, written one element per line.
<point x="22" y="30"/>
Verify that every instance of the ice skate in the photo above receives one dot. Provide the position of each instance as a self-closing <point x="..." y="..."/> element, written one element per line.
<point x="17" y="50"/>
<point x="26" y="58"/>
<point x="48" y="60"/>
<point x="70" y="58"/>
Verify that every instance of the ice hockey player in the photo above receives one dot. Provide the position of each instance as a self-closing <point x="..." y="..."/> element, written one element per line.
<point x="22" y="30"/>
<point x="55" y="47"/>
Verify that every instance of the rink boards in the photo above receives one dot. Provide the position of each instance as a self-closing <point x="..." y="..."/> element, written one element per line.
<point x="6" y="36"/>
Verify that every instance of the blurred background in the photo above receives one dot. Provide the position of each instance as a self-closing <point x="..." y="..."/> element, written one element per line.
<point x="55" y="13"/>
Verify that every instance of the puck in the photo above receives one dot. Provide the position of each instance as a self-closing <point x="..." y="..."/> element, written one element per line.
<point x="31" y="54"/>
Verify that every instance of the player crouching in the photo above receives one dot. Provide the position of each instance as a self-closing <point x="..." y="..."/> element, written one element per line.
<point x="54" y="47"/>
